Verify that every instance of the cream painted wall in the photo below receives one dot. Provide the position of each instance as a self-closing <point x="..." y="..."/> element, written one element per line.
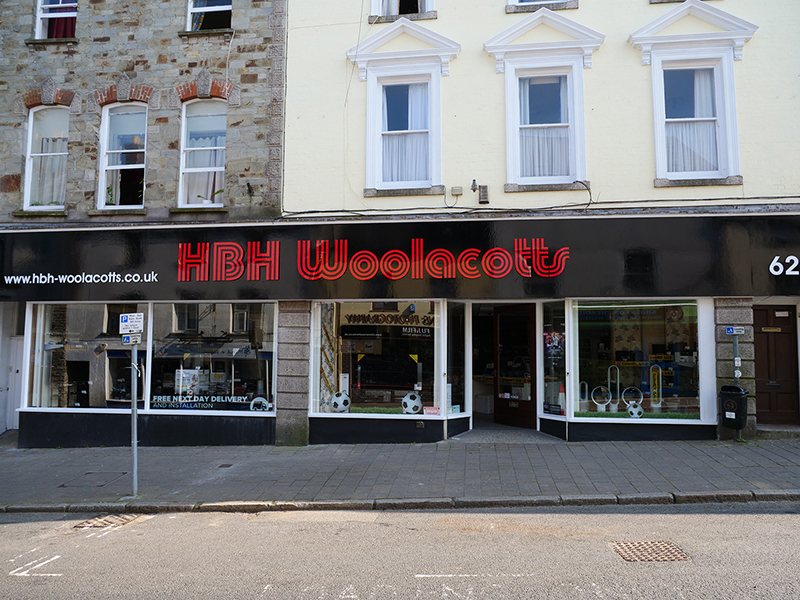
<point x="326" y="109"/>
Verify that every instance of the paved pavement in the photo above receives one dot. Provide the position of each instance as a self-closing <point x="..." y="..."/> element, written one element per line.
<point x="475" y="469"/>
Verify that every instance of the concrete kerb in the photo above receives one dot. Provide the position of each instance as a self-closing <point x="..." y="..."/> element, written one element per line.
<point x="572" y="500"/>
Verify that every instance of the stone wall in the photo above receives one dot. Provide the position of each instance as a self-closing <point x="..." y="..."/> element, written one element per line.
<point x="294" y="359"/>
<point x="736" y="312"/>
<point x="142" y="51"/>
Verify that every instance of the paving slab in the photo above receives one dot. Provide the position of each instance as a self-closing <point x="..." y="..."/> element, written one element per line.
<point x="457" y="473"/>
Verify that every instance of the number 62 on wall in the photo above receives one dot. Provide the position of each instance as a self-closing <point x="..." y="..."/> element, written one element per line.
<point x="776" y="267"/>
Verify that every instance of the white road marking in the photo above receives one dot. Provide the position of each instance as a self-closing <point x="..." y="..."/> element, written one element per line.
<point x="19" y="572"/>
<point x="23" y="554"/>
<point x="466" y="575"/>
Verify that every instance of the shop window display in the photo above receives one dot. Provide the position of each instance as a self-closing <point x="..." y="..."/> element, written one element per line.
<point x="377" y="358"/>
<point x="213" y="357"/>
<point x="76" y="362"/>
<point x="554" y="358"/>
<point x="637" y="360"/>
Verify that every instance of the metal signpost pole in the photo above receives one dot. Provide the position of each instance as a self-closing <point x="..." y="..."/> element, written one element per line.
<point x="134" y="416"/>
<point x="131" y="325"/>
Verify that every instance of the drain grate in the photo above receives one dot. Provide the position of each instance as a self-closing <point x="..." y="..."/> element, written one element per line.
<point x="106" y="521"/>
<point x="649" y="551"/>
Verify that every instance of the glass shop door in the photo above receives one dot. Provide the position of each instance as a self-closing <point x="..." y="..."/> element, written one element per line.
<point x="514" y="387"/>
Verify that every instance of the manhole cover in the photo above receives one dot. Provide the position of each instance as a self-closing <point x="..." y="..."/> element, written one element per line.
<point x="649" y="551"/>
<point x="106" y="521"/>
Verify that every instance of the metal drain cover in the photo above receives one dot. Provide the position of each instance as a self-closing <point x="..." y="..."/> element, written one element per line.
<point x="649" y="551"/>
<point x="106" y="521"/>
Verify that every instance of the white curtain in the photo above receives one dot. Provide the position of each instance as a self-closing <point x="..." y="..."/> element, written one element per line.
<point x="692" y="144"/>
<point x="405" y="155"/>
<point x="390" y="7"/>
<point x="49" y="176"/>
<point x="204" y="186"/>
<point x="543" y="150"/>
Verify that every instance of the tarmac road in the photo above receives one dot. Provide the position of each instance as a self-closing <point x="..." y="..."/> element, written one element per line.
<point x="742" y="551"/>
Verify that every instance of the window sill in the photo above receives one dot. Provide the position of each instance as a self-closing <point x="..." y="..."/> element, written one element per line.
<point x="56" y="212"/>
<point x="664" y="183"/>
<point x="412" y="17"/>
<point x="48" y="42"/>
<point x="436" y="190"/>
<point x="113" y="212"/>
<point x="511" y="188"/>
<point x="523" y="8"/>
<point x="198" y="209"/>
<point x="227" y="33"/>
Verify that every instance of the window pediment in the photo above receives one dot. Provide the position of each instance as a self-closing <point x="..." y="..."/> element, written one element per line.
<point x="520" y="40"/>
<point x="723" y="29"/>
<point x="427" y="46"/>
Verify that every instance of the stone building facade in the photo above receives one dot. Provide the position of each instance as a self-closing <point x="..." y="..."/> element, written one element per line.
<point x="141" y="53"/>
<point x="160" y="58"/>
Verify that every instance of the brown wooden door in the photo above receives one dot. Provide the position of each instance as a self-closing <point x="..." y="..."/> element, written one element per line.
<point x="775" y="332"/>
<point x="514" y="387"/>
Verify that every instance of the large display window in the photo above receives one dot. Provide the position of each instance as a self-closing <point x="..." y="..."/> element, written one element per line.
<point x="554" y="354"/>
<point x="213" y="356"/>
<point x="377" y="358"/>
<point x="637" y="360"/>
<point x="197" y="356"/>
<point x="78" y="360"/>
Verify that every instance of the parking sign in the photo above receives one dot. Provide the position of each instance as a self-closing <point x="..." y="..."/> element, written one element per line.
<point x="131" y="323"/>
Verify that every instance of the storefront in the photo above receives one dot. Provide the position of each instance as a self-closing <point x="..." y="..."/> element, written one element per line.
<point x="418" y="330"/>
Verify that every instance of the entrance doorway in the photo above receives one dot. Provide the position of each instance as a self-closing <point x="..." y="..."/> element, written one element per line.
<point x="514" y="389"/>
<point x="775" y="332"/>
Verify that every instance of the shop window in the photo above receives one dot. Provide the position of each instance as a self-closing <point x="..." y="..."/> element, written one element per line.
<point x="123" y="143"/>
<point x="209" y="14"/>
<point x="55" y="19"/>
<point x="215" y="368"/>
<point x="46" y="165"/>
<point x="203" y="155"/>
<point x="76" y="364"/>
<point x="377" y="363"/>
<point x="554" y="352"/>
<point x="19" y="318"/>
<point x="456" y="358"/>
<point x="637" y="360"/>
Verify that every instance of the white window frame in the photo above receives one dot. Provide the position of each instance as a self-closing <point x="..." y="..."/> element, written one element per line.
<point x="522" y="68"/>
<point x="192" y="10"/>
<point x="721" y="61"/>
<point x="101" y="178"/>
<point x="377" y="78"/>
<point x="43" y="15"/>
<point x="237" y="313"/>
<point x="377" y="7"/>
<point x="182" y="193"/>
<point x="29" y="157"/>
